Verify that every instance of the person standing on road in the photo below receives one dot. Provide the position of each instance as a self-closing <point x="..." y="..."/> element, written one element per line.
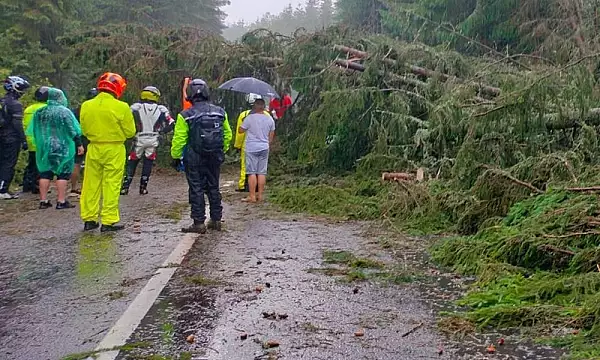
<point x="151" y="120"/>
<point x="107" y="123"/>
<point x="79" y="159"/>
<point x="57" y="138"/>
<point x="260" y="130"/>
<point x="240" y="139"/>
<point x="12" y="135"/>
<point x="204" y="131"/>
<point x="31" y="175"/>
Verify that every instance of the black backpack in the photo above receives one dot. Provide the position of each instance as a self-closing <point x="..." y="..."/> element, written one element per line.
<point x="206" y="129"/>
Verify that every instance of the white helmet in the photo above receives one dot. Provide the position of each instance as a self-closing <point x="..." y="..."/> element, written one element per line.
<point x="251" y="98"/>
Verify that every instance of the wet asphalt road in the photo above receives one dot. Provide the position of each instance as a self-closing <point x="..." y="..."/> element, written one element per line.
<point x="60" y="289"/>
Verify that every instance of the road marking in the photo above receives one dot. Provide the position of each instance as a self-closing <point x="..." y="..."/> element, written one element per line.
<point x="137" y="310"/>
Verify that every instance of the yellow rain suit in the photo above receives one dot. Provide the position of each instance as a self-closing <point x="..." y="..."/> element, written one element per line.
<point x="240" y="143"/>
<point x="27" y="117"/>
<point x="106" y="122"/>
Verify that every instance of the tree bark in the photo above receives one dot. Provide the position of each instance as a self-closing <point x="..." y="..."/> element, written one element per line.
<point x="417" y="70"/>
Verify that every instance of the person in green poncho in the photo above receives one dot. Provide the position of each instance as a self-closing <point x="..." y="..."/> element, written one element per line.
<point x="57" y="137"/>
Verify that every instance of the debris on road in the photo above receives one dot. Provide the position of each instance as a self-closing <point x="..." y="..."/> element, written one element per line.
<point x="191" y="339"/>
<point x="269" y="344"/>
<point x="413" y="330"/>
<point x="359" y="333"/>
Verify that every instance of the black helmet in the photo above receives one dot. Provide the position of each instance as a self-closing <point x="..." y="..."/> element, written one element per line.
<point x="91" y="94"/>
<point x="41" y="94"/>
<point x="198" y="90"/>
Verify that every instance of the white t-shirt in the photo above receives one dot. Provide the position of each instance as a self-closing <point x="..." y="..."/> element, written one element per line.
<point x="258" y="127"/>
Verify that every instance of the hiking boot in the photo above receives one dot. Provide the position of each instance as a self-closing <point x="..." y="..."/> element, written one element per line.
<point x="64" y="205"/>
<point x="112" y="228"/>
<point x="45" y="205"/>
<point x="75" y="193"/>
<point x="90" y="225"/>
<point x="214" y="225"/>
<point x="196" y="228"/>
<point x="143" y="191"/>
<point x="8" y="196"/>
<point x="124" y="191"/>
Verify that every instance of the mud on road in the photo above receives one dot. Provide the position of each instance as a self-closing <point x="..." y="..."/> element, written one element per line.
<point x="271" y="286"/>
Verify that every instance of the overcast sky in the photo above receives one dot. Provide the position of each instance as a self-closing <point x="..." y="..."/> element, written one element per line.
<point x="250" y="10"/>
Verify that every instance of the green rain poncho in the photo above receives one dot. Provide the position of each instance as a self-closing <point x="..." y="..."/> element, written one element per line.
<point x="55" y="131"/>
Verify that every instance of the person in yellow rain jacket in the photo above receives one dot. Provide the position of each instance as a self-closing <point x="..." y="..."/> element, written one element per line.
<point x="30" y="178"/>
<point x="204" y="132"/>
<point x="107" y="123"/>
<point x="240" y="139"/>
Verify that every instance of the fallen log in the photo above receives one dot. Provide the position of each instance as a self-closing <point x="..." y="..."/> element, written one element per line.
<point x="397" y="176"/>
<point x="584" y="189"/>
<point x="417" y="70"/>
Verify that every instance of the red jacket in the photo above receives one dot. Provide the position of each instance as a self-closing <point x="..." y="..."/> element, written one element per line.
<point x="280" y="106"/>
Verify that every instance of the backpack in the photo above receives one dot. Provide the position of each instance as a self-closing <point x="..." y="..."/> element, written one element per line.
<point x="206" y="130"/>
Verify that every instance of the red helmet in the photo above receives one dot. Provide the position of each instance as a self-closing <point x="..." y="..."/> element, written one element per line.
<point x="113" y="83"/>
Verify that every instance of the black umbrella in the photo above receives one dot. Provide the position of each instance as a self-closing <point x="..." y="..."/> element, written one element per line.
<point x="249" y="85"/>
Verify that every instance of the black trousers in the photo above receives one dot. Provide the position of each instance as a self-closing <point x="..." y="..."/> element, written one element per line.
<point x="203" y="172"/>
<point x="31" y="175"/>
<point x="9" y="154"/>
<point x="132" y="165"/>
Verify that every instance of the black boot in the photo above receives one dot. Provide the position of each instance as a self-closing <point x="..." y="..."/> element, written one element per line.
<point x="112" y="228"/>
<point x="214" y="225"/>
<point x="197" y="227"/>
<point x="144" y="185"/>
<point x="126" y="183"/>
<point x="90" y="225"/>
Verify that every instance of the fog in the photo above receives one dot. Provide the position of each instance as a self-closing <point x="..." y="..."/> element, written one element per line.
<point x="250" y="10"/>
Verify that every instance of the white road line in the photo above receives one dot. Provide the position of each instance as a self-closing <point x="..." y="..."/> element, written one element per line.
<point x="137" y="310"/>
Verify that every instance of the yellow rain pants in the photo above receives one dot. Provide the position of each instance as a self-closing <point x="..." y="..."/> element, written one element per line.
<point x="240" y="140"/>
<point x="107" y="122"/>
<point x="104" y="170"/>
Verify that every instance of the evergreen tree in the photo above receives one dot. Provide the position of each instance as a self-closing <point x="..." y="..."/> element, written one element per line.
<point x="363" y="14"/>
<point x="327" y="11"/>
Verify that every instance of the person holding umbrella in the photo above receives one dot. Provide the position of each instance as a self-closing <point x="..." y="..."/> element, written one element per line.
<point x="203" y="131"/>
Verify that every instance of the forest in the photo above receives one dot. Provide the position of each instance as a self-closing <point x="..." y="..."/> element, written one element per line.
<point x="496" y="100"/>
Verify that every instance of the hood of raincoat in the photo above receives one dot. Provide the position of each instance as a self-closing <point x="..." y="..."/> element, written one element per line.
<point x="54" y="129"/>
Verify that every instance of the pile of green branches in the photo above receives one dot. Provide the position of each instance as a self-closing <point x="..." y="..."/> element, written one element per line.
<point x="536" y="267"/>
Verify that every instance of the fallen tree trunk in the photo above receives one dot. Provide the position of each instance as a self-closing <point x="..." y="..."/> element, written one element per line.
<point x="360" y="67"/>
<point x="417" y="70"/>
<point x="397" y="177"/>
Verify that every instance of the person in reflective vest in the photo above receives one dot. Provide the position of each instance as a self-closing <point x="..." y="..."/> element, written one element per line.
<point x="203" y="131"/>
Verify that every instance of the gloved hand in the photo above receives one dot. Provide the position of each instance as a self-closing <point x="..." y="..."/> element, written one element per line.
<point x="176" y="163"/>
<point x="24" y="146"/>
